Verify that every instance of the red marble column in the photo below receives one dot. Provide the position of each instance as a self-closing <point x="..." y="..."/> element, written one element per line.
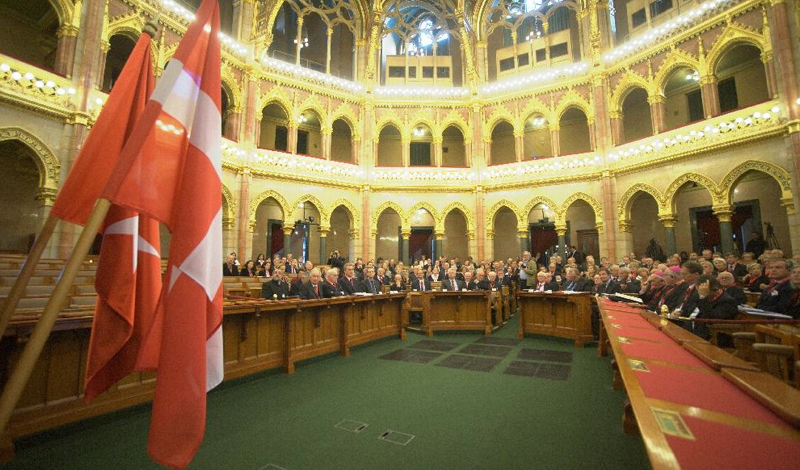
<point x="65" y="53"/>
<point x="244" y="213"/>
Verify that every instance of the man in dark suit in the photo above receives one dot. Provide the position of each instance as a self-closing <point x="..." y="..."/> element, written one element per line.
<point x="777" y="296"/>
<point x="313" y="288"/>
<point x="276" y="288"/>
<point x="712" y="302"/>
<point x="419" y="283"/>
<point x="469" y="283"/>
<point x="490" y="283"/>
<point x="575" y="283"/>
<point x="229" y="268"/>
<point x="674" y="290"/>
<point x="330" y="287"/>
<point x="369" y="284"/>
<point x="298" y="284"/>
<point x="627" y="284"/>
<point x="738" y="269"/>
<point x="452" y="283"/>
<point x="655" y="291"/>
<point x="691" y="271"/>
<point x="607" y="285"/>
<point x="382" y="277"/>
<point x="728" y="283"/>
<point x="349" y="283"/>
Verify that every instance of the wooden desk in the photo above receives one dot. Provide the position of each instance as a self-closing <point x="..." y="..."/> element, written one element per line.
<point x="557" y="314"/>
<point x="458" y="310"/>
<point x="257" y="335"/>
<point x="688" y="413"/>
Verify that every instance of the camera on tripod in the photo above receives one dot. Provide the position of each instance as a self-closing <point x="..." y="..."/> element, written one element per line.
<point x="772" y="240"/>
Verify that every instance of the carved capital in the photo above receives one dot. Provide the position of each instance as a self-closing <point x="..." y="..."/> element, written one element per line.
<point x="668" y="220"/>
<point x="625" y="226"/>
<point x="287" y="230"/>
<point x="47" y="196"/>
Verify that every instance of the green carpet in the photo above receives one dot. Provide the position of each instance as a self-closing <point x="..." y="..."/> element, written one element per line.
<point x="461" y="419"/>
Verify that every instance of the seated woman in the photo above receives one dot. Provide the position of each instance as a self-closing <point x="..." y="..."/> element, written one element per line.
<point x="755" y="279"/>
<point x="249" y="269"/>
<point x="398" y="285"/>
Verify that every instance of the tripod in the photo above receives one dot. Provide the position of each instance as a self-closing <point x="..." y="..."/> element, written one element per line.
<point x="772" y="240"/>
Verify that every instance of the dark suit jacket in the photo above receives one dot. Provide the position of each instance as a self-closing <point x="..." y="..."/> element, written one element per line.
<point x="244" y="272"/>
<point x="329" y="291"/>
<point x="581" y="285"/>
<point x="610" y="287"/>
<point x="447" y="284"/>
<point x="737" y="294"/>
<point x="472" y="285"/>
<point x="486" y="285"/>
<point x="365" y="286"/>
<point x="631" y="286"/>
<point x="415" y="285"/>
<point x="776" y="298"/>
<point x="307" y="291"/>
<point x="755" y="284"/>
<point x="723" y="308"/>
<point x="674" y="297"/>
<point x="234" y="271"/>
<point x="349" y="288"/>
<point x="652" y="296"/>
<point x="275" y="288"/>
<point x="739" y="270"/>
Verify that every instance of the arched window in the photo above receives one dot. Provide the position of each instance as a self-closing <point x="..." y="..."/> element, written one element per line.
<point x="636" y="121"/>
<point x="274" y="132"/>
<point x="19" y="175"/>
<point x="574" y="132"/>
<point x="684" y="101"/>
<point x="118" y="53"/>
<point x="341" y="141"/>
<point x="503" y="150"/>
<point x="537" y="142"/>
<point x="741" y="78"/>
<point x="29" y="32"/>
<point x="390" y="147"/>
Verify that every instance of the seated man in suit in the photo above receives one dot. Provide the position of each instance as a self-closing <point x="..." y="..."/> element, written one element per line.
<point x="728" y="283"/>
<point x="490" y="283"/>
<point x="297" y="284"/>
<point x="779" y="293"/>
<point x="419" y="283"/>
<point x="628" y="285"/>
<point x="348" y="283"/>
<point x="607" y="285"/>
<point x="541" y="284"/>
<point x="313" y="288"/>
<point x="382" y="277"/>
<point x="575" y="283"/>
<point x="276" y="288"/>
<point x="452" y="283"/>
<point x="370" y="284"/>
<point x="330" y="288"/>
<point x="712" y="302"/>
<point x="229" y="268"/>
<point x="469" y="283"/>
<point x="398" y="285"/>
<point x="654" y="292"/>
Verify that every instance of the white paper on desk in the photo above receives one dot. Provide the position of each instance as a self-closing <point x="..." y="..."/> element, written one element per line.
<point x="392" y="291"/>
<point x="570" y="292"/>
<point x="764" y="313"/>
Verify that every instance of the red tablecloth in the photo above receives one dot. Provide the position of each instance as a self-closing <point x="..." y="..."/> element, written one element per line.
<point x="651" y="334"/>
<point x="707" y="391"/>
<point x="718" y="445"/>
<point x="666" y="352"/>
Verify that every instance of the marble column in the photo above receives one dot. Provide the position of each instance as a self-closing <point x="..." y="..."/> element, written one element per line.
<point x="326" y="143"/>
<point x="292" y="137"/>
<point x="555" y="139"/>
<point x="519" y="146"/>
<point x="406" y="235"/>
<point x="617" y="129"/>
<point x="658" y="113"/>
<point x="437" y="245"/>
<point x="244" y="212"/>
<point x="406" y="152"/>
<point x="287" y="237"/>
<point x="232" y="124"/>
<point x="710" y="95"/>
<point x="524" y="239"/>
<point x="437" y="151"/>
<point x="65" y="52"/>
<point x="561" y="231"/>
<point x="724" y="214"/>
<point x="669" y="233"/>
<point x="323" y="244"/>
<point x="355" y="144"/>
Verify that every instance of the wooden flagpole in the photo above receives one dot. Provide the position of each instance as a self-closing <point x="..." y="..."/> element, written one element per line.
<point x="25" y="274"/>
<point x="22" y="372"/>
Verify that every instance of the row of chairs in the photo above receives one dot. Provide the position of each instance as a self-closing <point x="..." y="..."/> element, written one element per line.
<point x="775" y="349"/>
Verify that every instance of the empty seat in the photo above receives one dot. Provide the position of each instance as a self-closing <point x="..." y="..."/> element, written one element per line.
<point x="85" y="289"/>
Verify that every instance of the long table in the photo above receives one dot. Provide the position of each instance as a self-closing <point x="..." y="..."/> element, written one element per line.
<point x="565" y="315"/>
<point x="456" y="310"/>
<point x="695" y="405"/>
<point x="258" y="335"/>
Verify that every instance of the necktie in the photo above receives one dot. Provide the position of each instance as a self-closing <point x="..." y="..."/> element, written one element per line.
<point x="353" y="282"/>
<point x="421" y="285"/>
<point x="453" y="283"/>
<point x="316" y="290"/>
<point x="571" y="285"/>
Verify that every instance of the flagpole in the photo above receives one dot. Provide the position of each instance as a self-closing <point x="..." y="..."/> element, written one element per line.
<point x="25" y="274"/>
<point x="22" y="372"/>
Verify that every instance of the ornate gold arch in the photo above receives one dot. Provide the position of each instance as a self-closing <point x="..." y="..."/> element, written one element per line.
<point x="390" y="120"/>
<point x="46" y="161"/>
<point x="490" y="216"/>
<point x="457" y="206"/>
<point x="229" y="203"/>
<point x="376" y="214"/>
<point x="780" y="175"/>
<point x="702" y="180"/>
<point x="323" y="214"/>
<point x="596" y="206"/>
<point x="352" y="212"/>
<point x="676" y="59"/>
<point x="261" y="197"/>
<point x="346" y="114"/>
<point x="453" y="118"/>
<point x="312" y="103"/>
<point x="535" y="106"/>
<point x="65" y="11"/>
<point x="626" y="202"/>
<point x="526" y="212"/>
<point x="732" y="36"/>
<point x="500" y="113"/>
<point x="629" y="82"/>
<point x="573" y="99"/>
<point x="229" y="83"/>
<point x="276" y="95"/>
<point x="130" y="26"/>
<point x="428" y="207"/>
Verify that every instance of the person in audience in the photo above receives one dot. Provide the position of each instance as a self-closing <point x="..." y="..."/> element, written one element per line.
<point x="419" y="283"/>
<point x="755" y="281"/>
<point x="452" y="283"/>
<point x="607" y="285"/>
<point x="434" y="276"/>
<point x="626" y="284"/>
<point x="707" y="267"/>
<point x="541" y="284"/>
<point x="654" y="291"/>
<point x="249" y="269"/>
<point x="597" y="283"/>
<point x="313" y="288"/>
<point x="675" y="289"/>
<point x="276" y="288"/>
<point x="712" y="303"/>
<point x="527" y="270"/>
<point x="397" y="285"/>
<point x="778" y="294"/>
<point x="268" y="268"/>
<point x="369" y="284"/>
<point x="720" y="266"/>
<point x="348" y="283"/>
<point x="287" y="263"/>
<point x="480" y="275"/>
<point x="261" y="259"/>
<point x="229" y="267"/>
<point x="575" y="283"/>
<point x="735" y="267"/>
<point x="728" y="284"/>
<point x="613" y="271"/>
<point x="691" y="271"/>
<point x="490" y="283"/>
<point x="308" y="266"/>
<point x="793" y="308"/>
<point x="330" y="287"/>
<point x="298" y="284"/>
<point x="469" y="283"/>
<point x="235" y="258"/>
<point x="756" y="245"/>
<point x="382" y="277"/>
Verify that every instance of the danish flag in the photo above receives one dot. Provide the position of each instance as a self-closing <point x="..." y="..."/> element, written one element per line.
<point x="170" y="170"/>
